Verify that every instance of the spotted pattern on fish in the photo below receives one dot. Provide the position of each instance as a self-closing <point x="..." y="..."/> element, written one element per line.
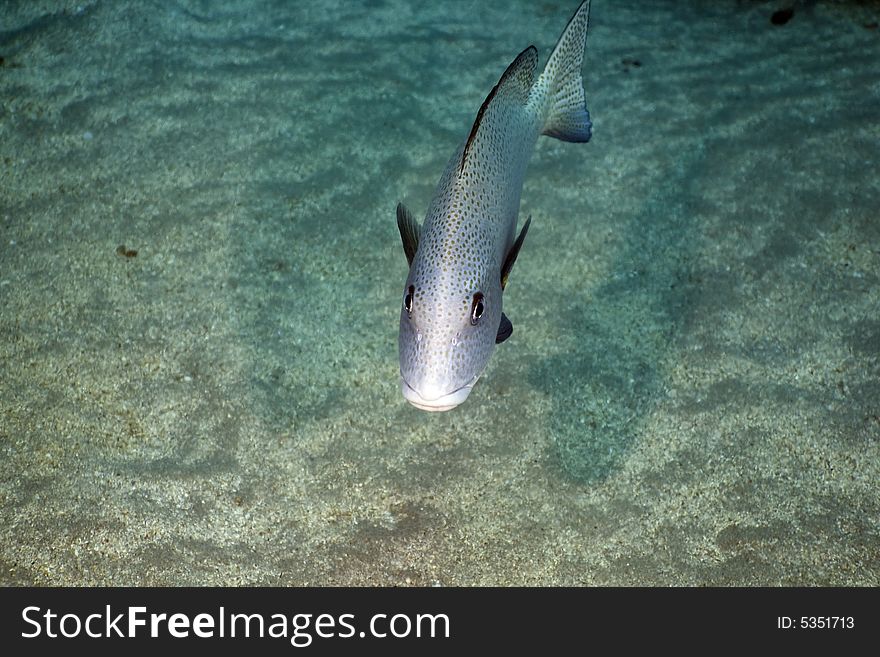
<point x="451" y="316"/>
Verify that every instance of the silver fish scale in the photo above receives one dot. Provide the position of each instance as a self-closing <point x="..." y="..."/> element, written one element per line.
<point x="468" y="230"/>
<point x="470" y="225"/>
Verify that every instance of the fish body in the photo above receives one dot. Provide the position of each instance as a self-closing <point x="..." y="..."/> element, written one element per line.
<point x="460" y="257"/>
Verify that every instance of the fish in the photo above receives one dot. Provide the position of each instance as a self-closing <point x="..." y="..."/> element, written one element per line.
<point x="462" y="254"/>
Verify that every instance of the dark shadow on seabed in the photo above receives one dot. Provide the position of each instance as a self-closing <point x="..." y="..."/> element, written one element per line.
<point x="610" y="376"/>
<point x="746" y="183"/>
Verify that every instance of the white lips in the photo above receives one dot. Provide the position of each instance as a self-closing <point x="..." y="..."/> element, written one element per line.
<point x="441" y="402"/>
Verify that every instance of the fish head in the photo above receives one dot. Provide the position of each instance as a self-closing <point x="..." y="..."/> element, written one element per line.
<point x="447" y="334"/>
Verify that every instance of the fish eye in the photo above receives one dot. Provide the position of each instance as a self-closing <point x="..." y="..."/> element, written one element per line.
<point x="408" y="299"/>
<point x="477" y="308"/>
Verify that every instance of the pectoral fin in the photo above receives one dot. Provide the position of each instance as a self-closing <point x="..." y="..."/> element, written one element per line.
<point x="409" y="232"/>
<point x="511" y="255"/>
<point x="505" y="329"/>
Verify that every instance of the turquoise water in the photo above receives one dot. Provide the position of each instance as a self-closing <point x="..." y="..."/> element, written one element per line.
<point x="200" y="277"/>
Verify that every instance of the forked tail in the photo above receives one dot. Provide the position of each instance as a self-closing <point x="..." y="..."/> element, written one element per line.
<point x="567" y="117"/>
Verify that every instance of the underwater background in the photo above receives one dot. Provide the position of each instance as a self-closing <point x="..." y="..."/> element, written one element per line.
<point x="201" y="276"/>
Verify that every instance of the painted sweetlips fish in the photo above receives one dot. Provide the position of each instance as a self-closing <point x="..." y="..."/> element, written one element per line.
<point x="460" y="258"/>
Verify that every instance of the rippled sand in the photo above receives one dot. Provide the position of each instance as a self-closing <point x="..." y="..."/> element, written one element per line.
<point x="200" y="276"/>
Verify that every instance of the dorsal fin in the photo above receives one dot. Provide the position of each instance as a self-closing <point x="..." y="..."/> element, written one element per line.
<point x="409" y="232"/>
<point x="514" y="251"/>
<point x="516" y="82"/>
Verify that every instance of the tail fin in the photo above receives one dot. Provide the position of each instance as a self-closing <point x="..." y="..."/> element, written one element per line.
<point x="567" y="115"/>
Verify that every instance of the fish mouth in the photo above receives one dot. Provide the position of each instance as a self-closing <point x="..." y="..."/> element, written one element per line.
<point x="442" y="402"/>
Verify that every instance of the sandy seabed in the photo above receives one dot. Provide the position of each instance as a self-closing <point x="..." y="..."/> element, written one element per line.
<point x="200" y="279"/>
